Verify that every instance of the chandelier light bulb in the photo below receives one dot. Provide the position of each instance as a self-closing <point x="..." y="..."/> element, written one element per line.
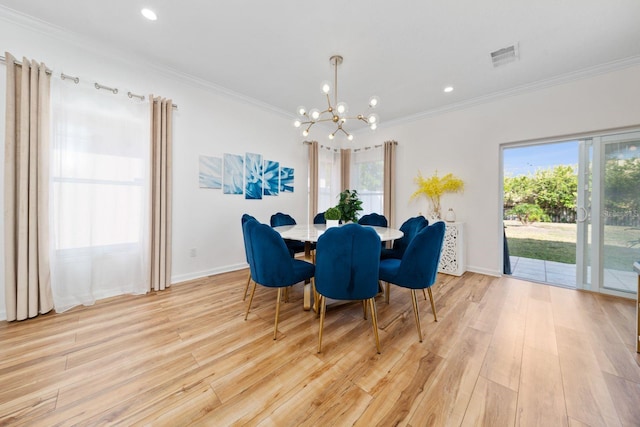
<point x="335" y="113"/>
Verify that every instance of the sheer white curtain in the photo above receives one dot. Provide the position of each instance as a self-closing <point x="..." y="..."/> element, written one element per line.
<point x="99" y="193"/>
<point x="367" y="177"/>
<point x="328" y="178"/>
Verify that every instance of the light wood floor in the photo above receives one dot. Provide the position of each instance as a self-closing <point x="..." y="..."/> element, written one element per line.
<point x="504" y="352"/>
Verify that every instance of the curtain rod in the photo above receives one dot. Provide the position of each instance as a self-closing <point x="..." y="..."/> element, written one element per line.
<point x="76" y="80"/>
<point x="15" y="61"/>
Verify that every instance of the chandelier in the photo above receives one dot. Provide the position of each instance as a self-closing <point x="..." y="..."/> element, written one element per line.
<point x="335" y="112"/>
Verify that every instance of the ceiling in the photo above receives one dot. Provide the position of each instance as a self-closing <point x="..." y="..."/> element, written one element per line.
<point x="277" y="52"/>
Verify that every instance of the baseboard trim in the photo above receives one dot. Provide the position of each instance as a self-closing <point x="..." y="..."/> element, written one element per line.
<point x="180" y="278"/>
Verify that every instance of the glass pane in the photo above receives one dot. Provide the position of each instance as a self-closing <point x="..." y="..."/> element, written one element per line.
<point x="620" y="215"/>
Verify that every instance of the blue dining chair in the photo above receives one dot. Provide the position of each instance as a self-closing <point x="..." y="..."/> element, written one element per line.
<point x="347" y="260"/>
<point x="418" y="268"/>
<point x="279" y="219"/>
<point x="374" y="219"/>
<point x="245" y="218"/>
<point x="410" y="228"/>
<point x="319" y="219"/>
<point x="270" y="263"/>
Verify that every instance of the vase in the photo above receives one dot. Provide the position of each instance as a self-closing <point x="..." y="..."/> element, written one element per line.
<point x="450" y="216"/>
<point x="332" y="223"/>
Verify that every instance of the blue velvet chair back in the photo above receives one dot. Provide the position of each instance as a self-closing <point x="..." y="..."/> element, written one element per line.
<point x="410" y="228"/>
<point x="280" y="218"/>
<point x="270" y="262"/>
<point x="374" y="219"/>
<point x="319" y="219"/>
<point x="419" y="265"/>
<point x="247" y="252"/>
<point x="347" y="261"/>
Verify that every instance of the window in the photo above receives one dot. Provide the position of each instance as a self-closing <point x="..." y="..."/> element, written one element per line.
<point x="367" y="178"/>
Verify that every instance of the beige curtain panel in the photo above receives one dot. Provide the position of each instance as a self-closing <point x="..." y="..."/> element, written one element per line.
<point x="313" y="180"/>
<point x="161" y="141"/>
<point x="345" y="169"/>
<point x="26" y="190"/>
<point x="389" y="186"/>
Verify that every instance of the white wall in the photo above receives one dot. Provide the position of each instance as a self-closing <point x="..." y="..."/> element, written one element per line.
<point x="207" y="122"/>
<point x="466" y="142"/>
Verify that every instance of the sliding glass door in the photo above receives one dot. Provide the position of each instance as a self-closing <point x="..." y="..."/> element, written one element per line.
<point x="615" y="212"/>
<point x="603" y="216"/>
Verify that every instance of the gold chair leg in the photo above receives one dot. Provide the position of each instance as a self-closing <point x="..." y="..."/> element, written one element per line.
<point x="275" y="328"/>
<point x="424" y="293"/>
<point x="386" y="293"/>
<point x="246" y="288"/>
<point x="414" y="300"/>
<point x="374" y="321"/>
<point x="253" y="290"/>
<point x="286" y="294"/>
<point x="433" y="305"/>
<point x="323" y="309"/>
<point x="364" y="308"/>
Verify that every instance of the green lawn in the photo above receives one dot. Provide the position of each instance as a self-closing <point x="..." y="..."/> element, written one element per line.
<point x="557" y="242"/>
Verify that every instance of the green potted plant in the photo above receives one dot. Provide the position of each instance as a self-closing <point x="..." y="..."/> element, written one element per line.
<point x="332" y="216"/>
<point x="349" y="205"/>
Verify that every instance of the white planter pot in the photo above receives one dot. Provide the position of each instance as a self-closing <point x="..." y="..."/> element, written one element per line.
<point x="333" y="223"/>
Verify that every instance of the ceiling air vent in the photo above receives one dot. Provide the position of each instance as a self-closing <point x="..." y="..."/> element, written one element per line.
<point x="505" y="55"/>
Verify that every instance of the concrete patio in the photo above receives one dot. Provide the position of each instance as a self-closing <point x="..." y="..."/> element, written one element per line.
<point x="558" y="273"/>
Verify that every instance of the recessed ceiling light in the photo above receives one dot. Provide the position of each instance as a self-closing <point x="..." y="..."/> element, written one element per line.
<point x="448" y="89"/>
<point x="149" y="14"/>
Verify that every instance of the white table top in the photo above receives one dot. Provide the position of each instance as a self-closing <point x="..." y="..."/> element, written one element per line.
<point x="311" y="232"/>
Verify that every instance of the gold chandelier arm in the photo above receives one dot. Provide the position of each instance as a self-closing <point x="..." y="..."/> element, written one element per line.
<point x="329" y="107"/>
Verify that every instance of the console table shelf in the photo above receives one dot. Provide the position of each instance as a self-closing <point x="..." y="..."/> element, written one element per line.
<point x="452" y="258"/>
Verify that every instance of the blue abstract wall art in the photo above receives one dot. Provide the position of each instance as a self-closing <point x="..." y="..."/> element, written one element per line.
<point x="271" y="178"/>
<point x="233" y="174"/>
<point x="210" y="172"/>
<point x="286" y="180"/>
<point x="253" y="176"/>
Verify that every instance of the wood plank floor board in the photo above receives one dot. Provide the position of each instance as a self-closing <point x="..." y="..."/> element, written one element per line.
<point x="504" y="352"/>
<point x="491" y="404"/>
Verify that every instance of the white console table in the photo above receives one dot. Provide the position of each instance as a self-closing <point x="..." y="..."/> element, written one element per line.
<point x="452" y="257"/>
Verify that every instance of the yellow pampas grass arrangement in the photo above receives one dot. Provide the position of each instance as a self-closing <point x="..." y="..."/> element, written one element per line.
<point x="433" y="187"/>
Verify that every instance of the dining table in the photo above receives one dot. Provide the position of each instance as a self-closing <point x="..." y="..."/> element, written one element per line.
<point x="310" y="233"/>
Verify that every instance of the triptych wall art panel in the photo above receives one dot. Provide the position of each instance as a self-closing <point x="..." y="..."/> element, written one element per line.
<point x="210" y="172"/>
<point x="249" y="175"/>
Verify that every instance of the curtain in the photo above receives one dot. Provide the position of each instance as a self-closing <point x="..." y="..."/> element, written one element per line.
<point x="100" y="187"/>
<point x="313" y="180"/>
<point x="26" y="190"/>
<point x="390" y="181"/>
<point x="161" y="141"/>
<point x="345" y="164"/>
<point x="328" y="177"/>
